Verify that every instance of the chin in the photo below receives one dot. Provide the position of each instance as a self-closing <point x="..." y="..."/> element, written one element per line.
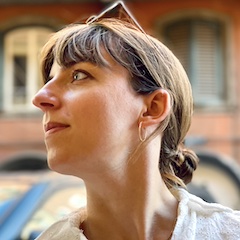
<point x="56" y="163"/>
<point x="60" y="165"/>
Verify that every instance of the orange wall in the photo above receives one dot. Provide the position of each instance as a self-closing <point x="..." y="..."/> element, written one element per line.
<point x="221" y="129"/>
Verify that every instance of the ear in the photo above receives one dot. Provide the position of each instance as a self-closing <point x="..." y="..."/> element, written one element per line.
<point x="157" y="108"/>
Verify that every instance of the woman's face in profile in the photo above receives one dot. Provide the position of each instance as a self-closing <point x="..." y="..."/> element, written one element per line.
<point x="90" y="116"/>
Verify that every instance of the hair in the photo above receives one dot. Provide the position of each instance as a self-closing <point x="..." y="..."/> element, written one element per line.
<point x="151" y="66"/>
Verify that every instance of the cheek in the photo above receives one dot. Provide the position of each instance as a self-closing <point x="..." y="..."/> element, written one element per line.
<point x="96" y="114"/>
<point x="102" y="116"/>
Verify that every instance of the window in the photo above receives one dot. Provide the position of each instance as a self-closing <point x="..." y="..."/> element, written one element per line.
<point x="19" y="78"/>
<point x="21" y="67"/>
<point x="199" y="46"/>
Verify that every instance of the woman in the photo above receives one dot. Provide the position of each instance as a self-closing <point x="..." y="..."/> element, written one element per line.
<point x="117" y="106"/>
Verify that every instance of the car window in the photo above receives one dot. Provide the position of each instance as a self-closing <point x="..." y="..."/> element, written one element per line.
<point x="10" y="192"/>
<point x="12" y="189"/>
<point x="59" y="204"/>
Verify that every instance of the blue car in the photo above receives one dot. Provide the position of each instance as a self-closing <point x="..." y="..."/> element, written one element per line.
<point x="29" y="203"/>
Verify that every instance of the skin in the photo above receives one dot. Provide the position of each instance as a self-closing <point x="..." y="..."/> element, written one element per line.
<point x="91" y="118"/>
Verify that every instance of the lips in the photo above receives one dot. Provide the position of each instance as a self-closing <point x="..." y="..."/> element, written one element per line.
<point x="54" y="126"/>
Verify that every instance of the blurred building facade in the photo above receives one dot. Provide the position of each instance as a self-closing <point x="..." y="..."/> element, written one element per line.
<point x="205" y="36"/>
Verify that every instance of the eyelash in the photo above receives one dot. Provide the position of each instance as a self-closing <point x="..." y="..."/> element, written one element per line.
<point x="76" y="72"/>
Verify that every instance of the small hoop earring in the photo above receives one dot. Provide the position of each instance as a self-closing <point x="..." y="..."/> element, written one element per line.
<point x="141" y="132"/>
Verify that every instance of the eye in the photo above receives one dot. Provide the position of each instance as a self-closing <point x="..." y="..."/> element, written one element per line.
<point x="79" y="75"/>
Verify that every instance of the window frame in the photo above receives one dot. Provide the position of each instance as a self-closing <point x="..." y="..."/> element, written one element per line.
<point x="31" y="51"/>
<point x="229" y="99"/>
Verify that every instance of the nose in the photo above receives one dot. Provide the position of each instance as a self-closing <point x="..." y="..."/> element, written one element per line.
<point x="46" y="99"/>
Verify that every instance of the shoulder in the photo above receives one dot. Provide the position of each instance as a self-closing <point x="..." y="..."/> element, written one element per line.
<point x="207" y="220"/>
<point x="66" y="228"/>
<point x="201" y="207"/>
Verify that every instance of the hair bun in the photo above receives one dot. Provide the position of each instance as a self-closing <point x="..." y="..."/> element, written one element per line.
<point x="185" y="165"/>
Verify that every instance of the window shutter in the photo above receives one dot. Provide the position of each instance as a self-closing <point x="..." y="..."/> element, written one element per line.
<point x="178" y="41"/>
<point x="198" y="46"/>
<point x="206" y="63"/>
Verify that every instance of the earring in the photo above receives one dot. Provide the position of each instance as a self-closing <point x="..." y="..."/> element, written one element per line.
<point x="141" y="132"/>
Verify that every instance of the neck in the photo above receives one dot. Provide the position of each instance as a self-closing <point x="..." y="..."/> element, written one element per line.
<point x="133" y="203"/>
